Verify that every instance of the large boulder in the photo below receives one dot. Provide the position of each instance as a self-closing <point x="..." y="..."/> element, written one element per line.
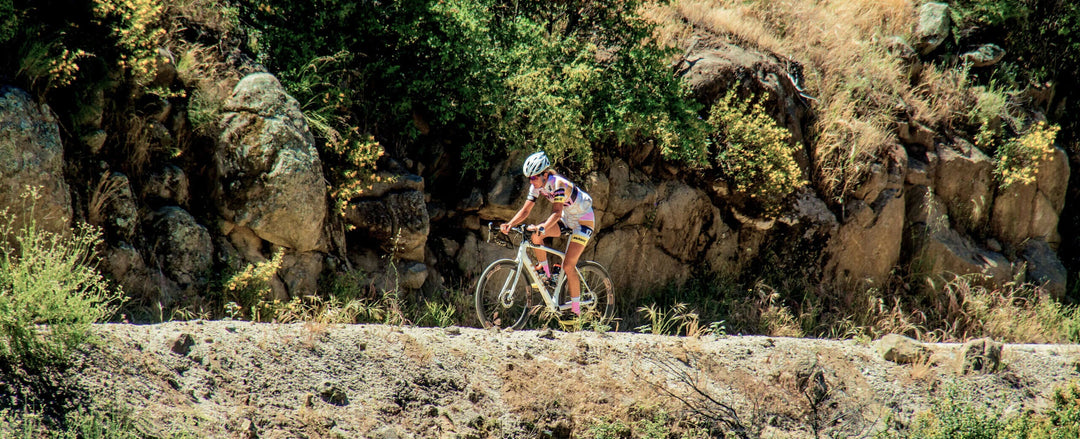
<point x="1044" y="268"/>
<point x="937" y="249"/>
<point x="183" y="248"/>
<point x="397" y="223"/>
<point x="269" y="171"/>
<point x="712" y="69"/>
<point x="945" y="251"/>
<point x="636" y="261"/>
<point x="681" y="217"/>
<point x="31" y="156"/>
<point x="933" y="26"/>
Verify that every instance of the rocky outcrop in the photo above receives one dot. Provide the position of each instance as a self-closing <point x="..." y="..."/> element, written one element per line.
<point x="32" y="159"/>
<point x="867" y="244"/>
<point x="270" y="174"/>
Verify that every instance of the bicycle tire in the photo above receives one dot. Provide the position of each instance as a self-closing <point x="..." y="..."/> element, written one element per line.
<point x="597" y="283"/>
<point x="493" y="309"/>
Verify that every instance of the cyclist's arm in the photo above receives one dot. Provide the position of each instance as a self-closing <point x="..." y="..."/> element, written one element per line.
<point x="553" y="219"/>
<point x="521" y="215"/>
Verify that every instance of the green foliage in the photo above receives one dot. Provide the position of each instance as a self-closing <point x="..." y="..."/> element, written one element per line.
<point x="679" y="320"/>
<point x="101" y="422"/>
<point x="1062" y="421"/>
<point x="753" y="151"/>
<point x="1017" y="161"/>
<point x="49" y="64"/>
<point x="50" y="290"/>
<point x="648" y="423"/>
<point x="956" y="415"/>
<point x="9" y="21"/>
<point x="991" y="107"/>
<point x="437" y="314"/>
<point x="324" y="89"/>
<point x="494" y="76"/>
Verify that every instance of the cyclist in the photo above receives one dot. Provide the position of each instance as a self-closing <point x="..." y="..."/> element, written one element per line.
<point x="571" y="208"/>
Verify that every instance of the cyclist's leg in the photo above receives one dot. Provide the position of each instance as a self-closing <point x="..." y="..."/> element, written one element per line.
<point x="582" y="232"/>
<point x="538" y="239"/>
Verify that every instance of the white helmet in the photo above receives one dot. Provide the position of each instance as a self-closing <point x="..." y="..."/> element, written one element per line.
<point x="535" y="164"/>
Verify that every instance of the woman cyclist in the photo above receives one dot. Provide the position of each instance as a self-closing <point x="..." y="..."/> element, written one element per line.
<point x="570" y="206"/>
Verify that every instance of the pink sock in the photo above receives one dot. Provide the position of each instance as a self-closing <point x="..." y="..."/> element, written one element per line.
<point x="575" y="306"/>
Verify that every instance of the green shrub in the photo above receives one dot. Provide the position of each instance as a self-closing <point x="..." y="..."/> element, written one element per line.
<point x="1062" y="421"/>
<point x="50" y="292"/>
<point x="955" y="415"/>
<point x="9" y="21"/>
<point x="490" y="76"/>
<point x="753" y="151"/>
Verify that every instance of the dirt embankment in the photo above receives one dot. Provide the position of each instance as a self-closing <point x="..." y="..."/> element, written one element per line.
<point x="237" y="379"/>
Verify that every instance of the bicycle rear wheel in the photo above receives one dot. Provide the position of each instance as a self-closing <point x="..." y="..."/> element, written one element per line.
<point x="502" y="296"/>
<point x="597" y="292"/>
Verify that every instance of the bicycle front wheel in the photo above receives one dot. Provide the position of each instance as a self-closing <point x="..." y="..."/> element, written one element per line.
<point x="502" y="296"/>
<point x="597" y="291"/>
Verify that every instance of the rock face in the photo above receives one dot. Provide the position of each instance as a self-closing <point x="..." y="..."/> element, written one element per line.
<point x="31" y="156"/>
<point x="394" y="217"/>
<point x="270" y="173"/>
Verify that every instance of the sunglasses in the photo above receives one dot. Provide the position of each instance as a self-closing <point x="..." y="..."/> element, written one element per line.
<point x="535" y="177"/>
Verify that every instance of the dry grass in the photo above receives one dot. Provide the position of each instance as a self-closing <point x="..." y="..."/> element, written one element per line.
<point x="859" y="86"/>
<point x="214" y="15"/>
<point x="138" y="142"/>
<point x="105" y="192"/>
<point x="202" y="70"/>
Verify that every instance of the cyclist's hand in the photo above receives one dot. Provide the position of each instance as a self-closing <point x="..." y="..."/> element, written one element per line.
<point x="504" y="228"/>
<point x="531" y="227"/>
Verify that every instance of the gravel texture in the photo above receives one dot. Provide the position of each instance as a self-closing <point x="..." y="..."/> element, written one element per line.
<point x="237" y="379"/>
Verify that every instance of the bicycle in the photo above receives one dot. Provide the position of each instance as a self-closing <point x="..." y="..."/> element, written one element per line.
<point x="504" y="291"/>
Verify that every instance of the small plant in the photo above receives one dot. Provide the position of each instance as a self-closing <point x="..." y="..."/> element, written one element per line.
<point x="49" y="65"/>
<point x="677" y="321"/>
<point x="50" y="292"/>
<point x="249" y="289"/>
<point x="438" y="314"/>
<point x="1017" y="161"/>
<point x="753" y="151"/>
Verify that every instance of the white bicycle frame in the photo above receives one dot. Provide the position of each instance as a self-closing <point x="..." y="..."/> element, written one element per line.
<point x="549" y="297"/>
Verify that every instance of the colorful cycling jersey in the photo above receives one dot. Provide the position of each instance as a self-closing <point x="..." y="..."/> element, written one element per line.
<point x="558" y="189"/>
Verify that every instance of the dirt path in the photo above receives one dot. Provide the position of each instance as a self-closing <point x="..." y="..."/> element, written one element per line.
<point x="239" y="379"/>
